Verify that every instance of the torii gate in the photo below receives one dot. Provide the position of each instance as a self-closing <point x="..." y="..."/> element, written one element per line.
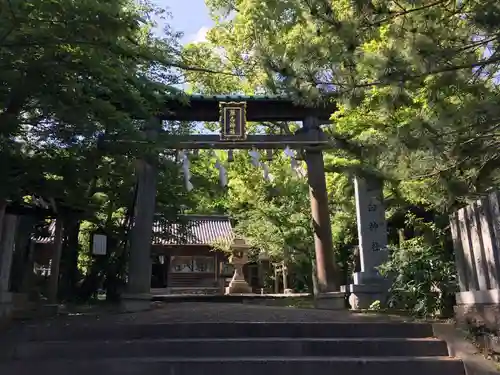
<point x="233" y="112"/>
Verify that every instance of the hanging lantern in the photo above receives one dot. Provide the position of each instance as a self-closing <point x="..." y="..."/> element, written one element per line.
<point x="230" y="156"/>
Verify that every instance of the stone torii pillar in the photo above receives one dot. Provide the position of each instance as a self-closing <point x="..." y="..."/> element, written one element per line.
<point x="138" y="292"/>
<point x="326" y="267"/>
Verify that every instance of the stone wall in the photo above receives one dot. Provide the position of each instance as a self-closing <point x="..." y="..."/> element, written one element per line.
<point x="476" y="240"/>
<point x="478" y="315"/>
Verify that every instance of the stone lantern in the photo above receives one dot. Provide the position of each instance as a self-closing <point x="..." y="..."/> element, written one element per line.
<point x="238" y="258"/>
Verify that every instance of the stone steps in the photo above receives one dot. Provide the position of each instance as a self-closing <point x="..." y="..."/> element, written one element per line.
<point x="134" y="331"/>
<point x="357" y="348"/>
<point x="208" y="348"/>
<point x="243" y="366"/>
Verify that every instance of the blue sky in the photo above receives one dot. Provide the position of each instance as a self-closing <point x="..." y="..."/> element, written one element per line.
<point x="189" y="16"/>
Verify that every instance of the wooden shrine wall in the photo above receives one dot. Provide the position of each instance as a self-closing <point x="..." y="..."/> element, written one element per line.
<point x="476" y="240"/>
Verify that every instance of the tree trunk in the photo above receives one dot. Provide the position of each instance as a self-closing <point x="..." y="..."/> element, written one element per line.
<point x="401" y="236"/>
<point x="28" y="273"/>
<point x="276" y="280"/>
<point x="70" y="274"/>
<point x="3" y="206"/>
<point x="53" y="290"/>
<point x="114" y="271"/>
<point x="20" y="261"/>
<point x="314" y="278"/>
<point x="284" y="274"/>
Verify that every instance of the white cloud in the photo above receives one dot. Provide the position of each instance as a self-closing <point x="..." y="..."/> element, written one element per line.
<point x="200" y="36"/>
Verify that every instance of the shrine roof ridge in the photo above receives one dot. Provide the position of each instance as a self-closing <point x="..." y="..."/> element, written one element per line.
<point x="205" y="217"/>
<point x="199" y="229"/>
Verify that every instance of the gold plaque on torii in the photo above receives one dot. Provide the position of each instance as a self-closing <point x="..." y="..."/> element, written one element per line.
<point x="233" y="120"/>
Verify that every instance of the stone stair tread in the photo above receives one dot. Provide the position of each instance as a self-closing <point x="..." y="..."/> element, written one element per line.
<point x="242" y="366"/>
<point x="258" y="359"/>
<point x="232" y="347"/>
<point x="294" y="344"/>
<point x="239" y="339"/>
<point x="136" y="330"/>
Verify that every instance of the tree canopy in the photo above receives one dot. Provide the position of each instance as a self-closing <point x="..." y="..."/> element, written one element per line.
<point x="415" y="82"/>
<point x="412" y="79"/>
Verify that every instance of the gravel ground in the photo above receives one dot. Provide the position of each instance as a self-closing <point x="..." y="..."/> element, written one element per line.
<point x="221" y="312"/>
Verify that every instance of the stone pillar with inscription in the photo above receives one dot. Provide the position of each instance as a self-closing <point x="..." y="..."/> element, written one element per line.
<point x="368" y="285"/>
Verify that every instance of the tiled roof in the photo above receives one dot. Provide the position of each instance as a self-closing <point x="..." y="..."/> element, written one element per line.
<point x="47" y="235"/>
<point x="194" y="230"/>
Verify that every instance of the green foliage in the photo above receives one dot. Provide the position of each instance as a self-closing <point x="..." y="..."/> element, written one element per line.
<point x="375" y="306"/>
<point x="424" y="276"/>
<point x="418" y="103"/>
<point x="414" y="82"/>
<point x="72" y="73"/>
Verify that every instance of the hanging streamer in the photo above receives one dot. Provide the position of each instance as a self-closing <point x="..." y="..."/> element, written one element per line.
<point x="288" y="152"/>
<point x="267" y="176"/>
<point x="255" y="158"/>
<point x="293" y="162"/>
<point x="301" y="172"/>
<point x="185" y="169"/>
<point x="222" y="172"/>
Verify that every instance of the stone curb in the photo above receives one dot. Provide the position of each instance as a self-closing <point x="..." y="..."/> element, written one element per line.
<point x="460" y="347"/>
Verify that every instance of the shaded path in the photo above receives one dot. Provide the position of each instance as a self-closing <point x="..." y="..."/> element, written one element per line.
<point x="184" y="312"/>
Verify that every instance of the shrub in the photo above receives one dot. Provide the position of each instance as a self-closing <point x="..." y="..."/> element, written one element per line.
<point x="423" y="275"/>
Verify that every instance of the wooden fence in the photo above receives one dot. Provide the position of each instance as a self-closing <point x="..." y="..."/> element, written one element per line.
<point x="476" y="240"/>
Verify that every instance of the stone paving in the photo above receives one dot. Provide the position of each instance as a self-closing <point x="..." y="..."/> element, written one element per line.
<point x="222" y="312"/>
<point x="185" y="312"/>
